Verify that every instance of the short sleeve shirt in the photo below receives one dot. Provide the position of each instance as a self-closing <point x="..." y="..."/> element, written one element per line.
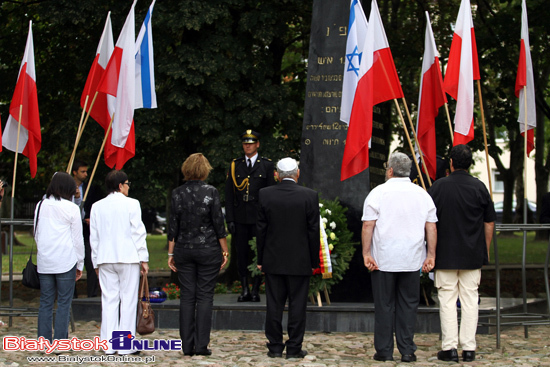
<point x="463" y="206"/>
<point x="401" y="210"/>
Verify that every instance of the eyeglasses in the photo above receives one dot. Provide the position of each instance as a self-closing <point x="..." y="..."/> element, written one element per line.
<point x="127" y="183"/>
<point x="386" y="166"/>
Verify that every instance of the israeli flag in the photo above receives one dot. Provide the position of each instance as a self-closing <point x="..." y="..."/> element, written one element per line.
<point x="145" y="73"/>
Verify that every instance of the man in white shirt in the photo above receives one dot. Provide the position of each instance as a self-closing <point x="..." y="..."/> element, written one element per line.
<point x="398" y="217"/>
<point x="119" y="250"/>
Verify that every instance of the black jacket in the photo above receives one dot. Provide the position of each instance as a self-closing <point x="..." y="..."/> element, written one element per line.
<point x="238" y="207"/>
<point x="288" y="229"/>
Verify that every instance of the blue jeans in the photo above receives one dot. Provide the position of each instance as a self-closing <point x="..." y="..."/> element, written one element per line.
<point x="63" y="285"/>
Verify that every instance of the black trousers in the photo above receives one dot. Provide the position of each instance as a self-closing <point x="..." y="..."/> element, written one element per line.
<point x="92" y="281"/>
<point x="243" y="234"/>
<point x="278" y="289"/>
<point x="198" y="270"/>
<point x="396" y="300"/>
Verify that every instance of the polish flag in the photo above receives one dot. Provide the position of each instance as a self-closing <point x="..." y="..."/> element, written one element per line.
<point x="119" y="81"/>
<point x="430" y="99"/>
<point x="377" y="69"/>
<point x="357" y="31"/>
<point x="24" y="105"/>
<point x="525" y="84"/>
<point x="462" y="70"/>
<point x="104" y="105"/>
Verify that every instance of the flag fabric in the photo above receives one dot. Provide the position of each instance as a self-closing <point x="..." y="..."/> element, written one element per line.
<point x="119" y="81"/>
<point x="525" y="84"/>
<point x="357" y="31"/>
<point x="24" y="105"/>
<point x="145" y="73"/>
<point x="377" y="68"/>
<point x="462" y="70"/>
<point x="104" y="105"/>
<point x="430" y="99"/>
<point x="325" y="263"/>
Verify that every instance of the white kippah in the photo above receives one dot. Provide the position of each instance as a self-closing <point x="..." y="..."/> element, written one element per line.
<point x="287" y="165"/>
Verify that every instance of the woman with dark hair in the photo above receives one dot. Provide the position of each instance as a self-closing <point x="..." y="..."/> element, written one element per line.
<point x="119" y="251"/>
<point x="197" y="250"/>
<point x="60" y="254"/>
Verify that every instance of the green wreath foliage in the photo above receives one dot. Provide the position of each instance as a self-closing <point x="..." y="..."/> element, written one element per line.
<point x="334" y="220"/>
<point x="340" y="244"/>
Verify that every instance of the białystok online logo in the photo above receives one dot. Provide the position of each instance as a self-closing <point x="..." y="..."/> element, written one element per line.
<point x="121" y="340"/>
<point x="124" y="340"/>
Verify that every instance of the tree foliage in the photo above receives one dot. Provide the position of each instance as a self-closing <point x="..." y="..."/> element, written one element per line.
<point x="223" y="66"/>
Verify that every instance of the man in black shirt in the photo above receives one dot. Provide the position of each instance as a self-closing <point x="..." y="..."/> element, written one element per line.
<point x="466" y="217"/>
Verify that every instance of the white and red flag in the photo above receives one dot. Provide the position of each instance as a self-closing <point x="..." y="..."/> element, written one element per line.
<point x="24" y="111"/>
<point x="104" y="104"/>
<point x="462" y="70"/>
<point x="119" y="80"/>
<point x="430" y="99"/>
<point x="357" y="31"/>
<point x="525" y="84"/>
<point x="377" y="69"/>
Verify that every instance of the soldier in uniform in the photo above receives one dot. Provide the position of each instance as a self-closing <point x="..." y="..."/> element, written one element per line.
<point x="247" y="175"/>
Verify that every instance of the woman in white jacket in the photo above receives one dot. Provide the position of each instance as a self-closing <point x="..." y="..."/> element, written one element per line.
<point x="119" y="252"/>
<point x="60" y="254"/>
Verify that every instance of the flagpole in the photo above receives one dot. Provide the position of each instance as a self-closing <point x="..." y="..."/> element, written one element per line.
<point x="16" y="151"/>
<point x="449" y="120"/>
<point x="409" y="140"/>
<point x="525" y="162"/>
<point x="485" y="138"/>
<point x="417" y="143"/>
<point x="98" y="157"/>
<point x="79" y="135"/>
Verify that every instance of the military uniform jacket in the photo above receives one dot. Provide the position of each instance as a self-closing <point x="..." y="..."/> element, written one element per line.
<point x="242" y="206"/>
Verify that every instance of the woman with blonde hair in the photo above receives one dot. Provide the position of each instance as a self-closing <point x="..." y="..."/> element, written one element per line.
<point x="197" y="251"/>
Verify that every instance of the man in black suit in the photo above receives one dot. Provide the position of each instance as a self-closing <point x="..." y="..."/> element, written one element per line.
<point x="246" y="176"/>
<point x="288" y="251"/>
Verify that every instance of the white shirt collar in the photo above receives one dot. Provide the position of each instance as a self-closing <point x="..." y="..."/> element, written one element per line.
<point x="252" y="160"/>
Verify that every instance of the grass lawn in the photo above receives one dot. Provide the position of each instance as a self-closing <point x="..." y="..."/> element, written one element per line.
<point x="509" y="249"/>
<point x="155" y="243"/>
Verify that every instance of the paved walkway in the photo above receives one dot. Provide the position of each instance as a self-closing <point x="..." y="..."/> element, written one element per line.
<point x="247" y="348"/>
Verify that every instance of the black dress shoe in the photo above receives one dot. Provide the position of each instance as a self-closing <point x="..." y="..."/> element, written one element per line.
<point x="274" y="355"/>
<point x="244" y="298"/>
<point x="378" y="357"/>
<point x="190" y="354"/>
<point x="408" y="358"/>
<point x="206" y="352"/>
<point x="468" y="355"/>
<point x="300" y="354"/>
<point x="448" y="355"/>
<point x="255" y="298"/>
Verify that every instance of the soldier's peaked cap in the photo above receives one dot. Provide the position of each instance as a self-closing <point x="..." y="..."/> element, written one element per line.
<point x="250" y="136"/>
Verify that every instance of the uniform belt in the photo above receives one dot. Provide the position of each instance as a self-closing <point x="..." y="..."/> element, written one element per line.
<point x="247" y="198"/>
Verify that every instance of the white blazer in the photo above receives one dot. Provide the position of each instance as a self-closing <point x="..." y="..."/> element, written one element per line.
<point x="117" y="234"/>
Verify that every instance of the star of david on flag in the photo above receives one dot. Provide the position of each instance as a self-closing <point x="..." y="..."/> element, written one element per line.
<point x="357" y="30"/>
<point x="350" y="57"/>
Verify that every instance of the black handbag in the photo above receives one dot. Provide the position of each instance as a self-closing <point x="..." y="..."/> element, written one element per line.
<point x="30" y="273"/>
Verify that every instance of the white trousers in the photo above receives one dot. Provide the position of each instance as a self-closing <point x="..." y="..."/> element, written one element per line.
<point x="453" y="284"/>
<point x="119" y="294"/>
